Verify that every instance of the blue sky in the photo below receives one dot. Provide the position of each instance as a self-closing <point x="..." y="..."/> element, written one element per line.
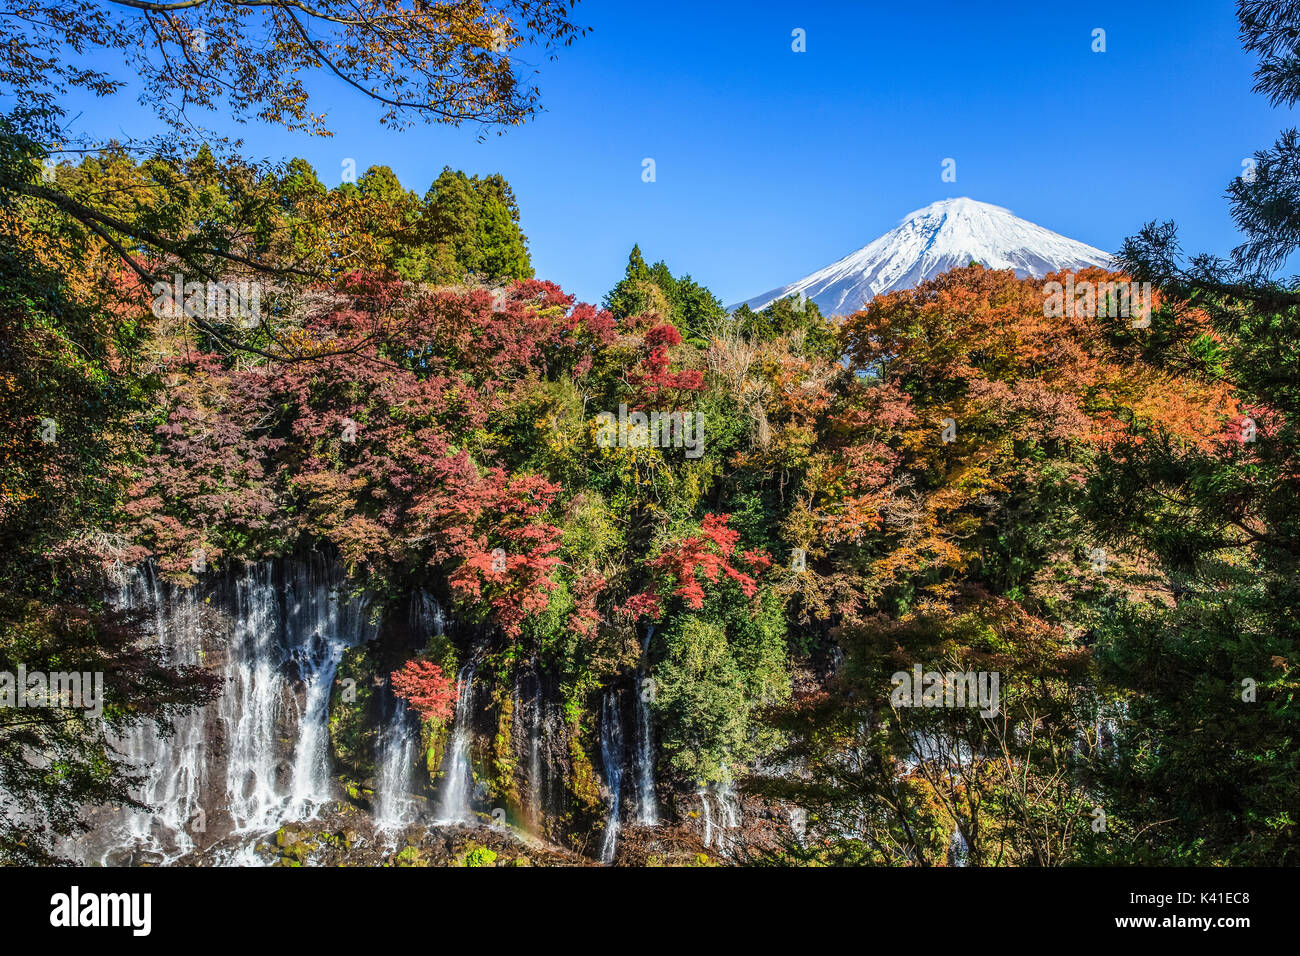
<point x="772" y="163"/>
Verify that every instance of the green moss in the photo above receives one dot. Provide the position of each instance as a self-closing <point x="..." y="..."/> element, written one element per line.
<point x="503" y="781"/>
<point x="583" y="783"/>
<point x="353" y="731"/>
<point x="479" y="856"/>
<point x="409" y="856"/>
<point x="434" y="735"/>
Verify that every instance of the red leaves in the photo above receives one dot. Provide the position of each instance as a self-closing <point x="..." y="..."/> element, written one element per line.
<point x="653" y="380"/>
<point x="586" y="617"/>
<point x="493" y="525"/>
<point x="641" y="605"/>
<point x="663" y="335"/>
<point x="424" y="686"/>
<point x="708" y="554"/>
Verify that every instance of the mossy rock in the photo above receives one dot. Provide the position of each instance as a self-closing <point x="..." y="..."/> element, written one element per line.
<point x="479" y="856"/>
<point x="408" y="856"/>
<point x="434" y="736"/>
<point x="353" y="730"/>
<point x="503" y="782"/>
<point x="358" y="794"/>
<point x="583" y="783"/>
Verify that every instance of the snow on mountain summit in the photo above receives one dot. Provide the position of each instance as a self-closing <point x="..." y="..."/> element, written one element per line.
<point x="942" y="236"/>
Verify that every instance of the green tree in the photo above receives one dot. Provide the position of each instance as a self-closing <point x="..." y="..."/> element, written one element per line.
<point x="1208" y="766"/>
<point x="470" y="227"/>
<point x="693" y="309"/>
<point x="790" y="316"/>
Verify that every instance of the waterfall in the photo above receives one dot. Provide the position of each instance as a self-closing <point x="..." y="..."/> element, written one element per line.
<point x="611" y="755"/>
<point x="459" y="782"/>
<point x="426" y="618"/>
<point x="285" y="630"/>
<point x="249" y="706"/>
<point x="397" y="749"/>
<point x="728" y="802"/>
<point x="958" y="849"/>
<point x="647" y="808"/>
<point x="798" y="824"/>
<point x="398" y="743"/>
<point x="177" y="765"/>
<point x="728" y="810"/>
<point x="532" y="714"/>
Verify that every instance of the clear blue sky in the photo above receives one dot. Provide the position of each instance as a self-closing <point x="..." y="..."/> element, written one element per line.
<point x="772" y="163"/>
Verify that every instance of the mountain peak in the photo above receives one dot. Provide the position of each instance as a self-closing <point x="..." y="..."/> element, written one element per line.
<point x="943" y="235"/>
<point x="955" y="207"/>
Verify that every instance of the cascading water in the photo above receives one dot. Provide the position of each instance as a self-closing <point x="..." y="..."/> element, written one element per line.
<point x="724" y="794"/>
<point x="286" y="629"/>
<point x="703" y="794"/>
<point x="531" y="725"/>
<point x="427" y="618"/>
<point x="798" y="824"/>
<point x="314" y="629"/>
<point x="728" y="801"/>
<point x="611" y="755"/>
<point x="535" y="759"/>
<point x="647" y="804"/>
<point x="397" y="744"/>
<point x="459" y="781"/>
<point x="176" y="766"/>
<point x="396" y="759"/>
<point x="958" y="849"/>
<point x="247" y="707"/>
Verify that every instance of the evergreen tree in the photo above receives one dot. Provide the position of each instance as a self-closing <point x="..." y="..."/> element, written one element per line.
<point x="632" y="295"/>
<point x="786" y="317"/>
<point x="503" y="247"/>
<point x="1208" y="763"/>
<point x="471" y="228"/>
<point x="691" y="307"/>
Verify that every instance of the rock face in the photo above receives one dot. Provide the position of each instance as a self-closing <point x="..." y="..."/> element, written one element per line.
<point x="944" y="235"/>
<point x="307" y="744"/>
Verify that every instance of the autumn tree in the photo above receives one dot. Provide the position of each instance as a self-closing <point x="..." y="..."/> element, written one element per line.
<point x="424" y="686"/>
<point x="254" y="60"/>
<point x="69" y="388"/>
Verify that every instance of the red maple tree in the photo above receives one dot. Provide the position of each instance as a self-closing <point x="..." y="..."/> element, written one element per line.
<point x="424" y="686"/>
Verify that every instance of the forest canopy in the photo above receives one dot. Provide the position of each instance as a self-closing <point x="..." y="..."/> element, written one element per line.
<point x="954" y="478"/>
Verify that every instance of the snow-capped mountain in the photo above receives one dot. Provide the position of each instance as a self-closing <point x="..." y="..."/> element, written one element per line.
<point x="943" y="235"/>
